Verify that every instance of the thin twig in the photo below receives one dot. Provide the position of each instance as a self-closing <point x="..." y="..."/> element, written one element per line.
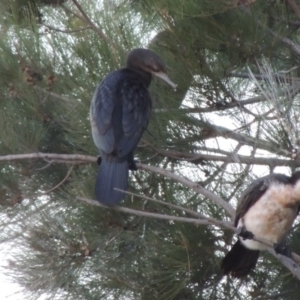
<point x="150" y="214"/>
<point x="57" y="96"/>
<point x="294" y="6"/>
<point x="192" y="185"/>
<point x="277" y="77"/>
<point x="293" y="90"/>
<point x="62" y="182"/>
<point x="49" y="163"/>
<point x="181" y="208"/>
<point x="66" y="31"/>
<point x="197" y="158"/>
<point x="292" y="45"/>
<point x="86" y="19"/>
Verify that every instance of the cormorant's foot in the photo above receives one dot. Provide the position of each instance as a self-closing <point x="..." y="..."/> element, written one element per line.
<point x="283" y="249"/>
<point x="99" y="160"/>
<point x="132" y="166"/>
<point x="244" y="233"/>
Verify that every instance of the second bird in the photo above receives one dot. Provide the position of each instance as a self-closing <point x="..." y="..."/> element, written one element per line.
<point x="119" y="114"/>
<point x="266" y="209"/>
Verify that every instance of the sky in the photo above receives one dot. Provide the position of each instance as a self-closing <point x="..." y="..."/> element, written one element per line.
<point x="9" y="290"/>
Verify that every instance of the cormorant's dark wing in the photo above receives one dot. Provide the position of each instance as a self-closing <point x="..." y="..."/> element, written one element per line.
<point x="136" y="109"/>
<point x="101" y="112"/>
<point x="120" y="113"/>
<point x="254" y="191"/>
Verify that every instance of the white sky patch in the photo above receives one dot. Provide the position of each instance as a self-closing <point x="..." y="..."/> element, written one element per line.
<point x="9" y="290"/>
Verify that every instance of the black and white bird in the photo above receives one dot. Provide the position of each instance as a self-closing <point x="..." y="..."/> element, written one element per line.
<point x="119" y="114"/>
<point x="266" y="209"/>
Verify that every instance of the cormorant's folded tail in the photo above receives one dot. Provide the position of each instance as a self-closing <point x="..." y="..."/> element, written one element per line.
<point x="111" y="175"/>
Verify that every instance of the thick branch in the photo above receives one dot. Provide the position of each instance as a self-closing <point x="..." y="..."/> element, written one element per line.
<point x="84" y="158"/>
<point x="50" y="156"/>
<point x="288" y="262"/>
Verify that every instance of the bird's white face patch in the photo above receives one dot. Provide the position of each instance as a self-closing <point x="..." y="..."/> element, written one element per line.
<point x="272" y="216"/>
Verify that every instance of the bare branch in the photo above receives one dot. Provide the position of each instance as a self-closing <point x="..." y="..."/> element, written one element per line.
<point x="192" y="185"/>
<point x="197" y="158"/>
<point x="62" y="182"/>
<point x="287" y="262"/>
<point x="247" y="140"/>
<point x="57" y="96"/>
<point x="87" y="20"/>
<point x="292" y="45"/>
<point x="66" y="31"/>
<point x="294" y="6"/>
<point x="278" y="77"/>
<point x="181" y="208"/>
<point x="148" y="214"/>
<point x="51" y="157"/>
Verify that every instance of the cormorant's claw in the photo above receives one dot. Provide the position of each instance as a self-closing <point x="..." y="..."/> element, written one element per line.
<point x="99" y="160"/>
<point x="132" y="166"/>
<point x="244" y="233"/>
<point x="283" y="249"/>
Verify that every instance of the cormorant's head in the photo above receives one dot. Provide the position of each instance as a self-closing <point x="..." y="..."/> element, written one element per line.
<point x="148" y="61"/>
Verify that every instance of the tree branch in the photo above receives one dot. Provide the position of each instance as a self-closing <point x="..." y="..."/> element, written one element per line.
<point x="217" y="131"/>
<point x="190" y="184"/>
<point x="62" y="182"/>
<point x="84" y="158"/>
<point x="66" y="31"/>
<point x="50" y="156"/>
<point x="287" y="262"/>
<point x="197" y="158"/>
<point x="294" y="6"/>
<point x="292" y="45"/>
<point x="196" y="187"/>
<point x="87" y="20"/>
<point x="153" y="215"/>
<point x="71" y="158"/>
<point x="181" y="208"/>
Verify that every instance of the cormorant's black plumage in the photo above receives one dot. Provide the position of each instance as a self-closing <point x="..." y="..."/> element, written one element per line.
<point x="119" y="114"/>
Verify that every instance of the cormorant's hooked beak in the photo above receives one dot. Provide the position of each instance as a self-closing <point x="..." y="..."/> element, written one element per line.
<point x="165" y="77"/>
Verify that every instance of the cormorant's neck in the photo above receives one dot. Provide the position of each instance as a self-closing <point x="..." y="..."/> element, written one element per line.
<point x="145" y="76"/>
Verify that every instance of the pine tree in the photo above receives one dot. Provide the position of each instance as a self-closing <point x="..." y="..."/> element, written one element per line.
<point x="234" y="117"/>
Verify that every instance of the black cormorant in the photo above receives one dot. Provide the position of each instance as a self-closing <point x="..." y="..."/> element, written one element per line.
<point x="119" y="114"/>
<point x="266" y="209"/>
